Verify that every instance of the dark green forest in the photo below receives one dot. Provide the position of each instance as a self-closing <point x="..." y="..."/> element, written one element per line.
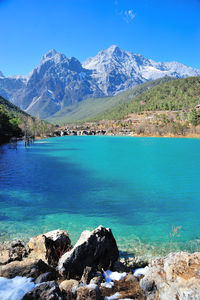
<point x="175" y="95"/>
<point x="16" y="123"/>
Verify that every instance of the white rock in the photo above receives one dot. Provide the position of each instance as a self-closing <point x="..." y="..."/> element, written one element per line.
<point x="113" y="297"/>
<point x="109" y="275"/>
<point x="108" y="285"/>
<point x="140" y="271"/>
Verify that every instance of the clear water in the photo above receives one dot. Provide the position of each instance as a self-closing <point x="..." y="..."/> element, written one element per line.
<point x="140" y="187"/>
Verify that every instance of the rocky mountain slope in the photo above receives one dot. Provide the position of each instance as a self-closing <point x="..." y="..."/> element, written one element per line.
<point x="94" y="107"/>
<point x="58" y="82"/>
<point x="117" y="70"/>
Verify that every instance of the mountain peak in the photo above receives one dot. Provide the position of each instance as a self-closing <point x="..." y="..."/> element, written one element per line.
<point x="51" y="53"/>
<point x="112" y="47"/>
<point x="113" y="50"/>
<point x="59" y="81"/>
<point x="74" y="64"/>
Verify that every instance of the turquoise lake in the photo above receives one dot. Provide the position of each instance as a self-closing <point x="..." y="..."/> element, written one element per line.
<point x="140" y="187"/>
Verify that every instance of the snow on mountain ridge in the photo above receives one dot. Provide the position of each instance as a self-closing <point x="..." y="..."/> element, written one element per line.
<point x="126" y="69"/>
<point x="59" y="81"/>
<point x="23" y="78"/>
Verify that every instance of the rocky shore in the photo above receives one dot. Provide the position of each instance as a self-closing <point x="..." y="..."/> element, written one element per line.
<point x="49" y="267"/>
<point x="146" y="124"/>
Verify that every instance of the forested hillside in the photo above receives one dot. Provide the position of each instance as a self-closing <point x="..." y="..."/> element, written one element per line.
<point x="15" y="123"/>
<point x="179" y="94"/>
<point x="93" y="107"/>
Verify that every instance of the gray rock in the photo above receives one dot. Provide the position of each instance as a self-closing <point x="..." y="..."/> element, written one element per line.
<point x="97" y="249"/>
<point x="48" y="276"/>
<point x="45" y="291"/>
<point x="147" y="284"/>
<point x="27" y="267"/>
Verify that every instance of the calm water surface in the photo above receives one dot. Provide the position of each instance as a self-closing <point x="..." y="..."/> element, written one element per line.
<point x="140" y="187"/>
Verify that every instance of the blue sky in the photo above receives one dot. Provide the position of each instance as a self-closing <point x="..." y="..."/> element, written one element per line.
<point x="161" y="30"/>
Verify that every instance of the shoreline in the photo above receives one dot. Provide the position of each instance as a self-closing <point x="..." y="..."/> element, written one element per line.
<point x="103" y="131"/>
<point x="93" y="269"/>
<point x="135" y="247"/>
<point x="189" y="136"/>
<point x="37" y="138"/>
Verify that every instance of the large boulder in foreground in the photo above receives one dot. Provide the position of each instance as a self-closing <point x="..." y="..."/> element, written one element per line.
<point x="49" y="246"/>
<point x="27" y="267"/>
<point x="97" y="249"/>
<point x="45" y="291"/>
<point x="176" y="276"/>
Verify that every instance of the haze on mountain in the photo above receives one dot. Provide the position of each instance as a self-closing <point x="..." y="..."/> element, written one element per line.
<point x="58" y="82"/>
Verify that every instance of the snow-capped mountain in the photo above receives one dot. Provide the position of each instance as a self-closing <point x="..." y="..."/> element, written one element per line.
<point x="12" y="88"/>
<point x="56" y="82"/>
<point x="117" y="70"/>
<point x="59" y="81"/>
